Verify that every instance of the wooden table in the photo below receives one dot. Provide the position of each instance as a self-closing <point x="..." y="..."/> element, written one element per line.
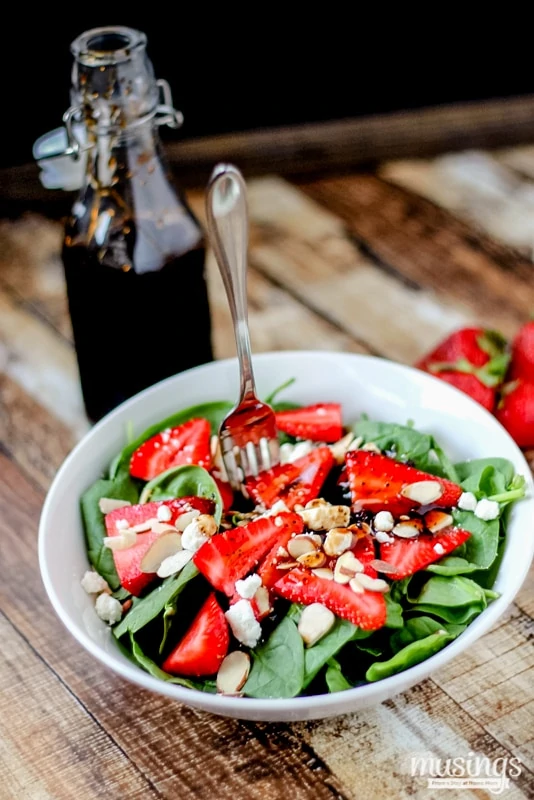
<point x="383" y="262"/>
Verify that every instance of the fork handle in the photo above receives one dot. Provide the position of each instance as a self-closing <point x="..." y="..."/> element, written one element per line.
<point x="226" y="207"/>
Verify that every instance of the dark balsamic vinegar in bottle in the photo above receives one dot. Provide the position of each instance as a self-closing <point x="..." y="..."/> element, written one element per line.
<point x="133" y="252"/>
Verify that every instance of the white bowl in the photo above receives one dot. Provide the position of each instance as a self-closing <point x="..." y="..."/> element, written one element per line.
<point x="384" y="390"/>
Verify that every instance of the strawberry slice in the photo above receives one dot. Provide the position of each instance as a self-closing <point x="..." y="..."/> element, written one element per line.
<point x="205" y="644"/>
<point x="294" y="483"/>
<point x="186" y="444"/>
<point x="364" y="550"/>
<point x="128" y="562"/>
<point x="226" y="492"/>
<point x="230" y="555"/>
<point x="411" y="555"/>
<point x="320" y="422"/>
<point x="376" y="482"/>
<point x="366" y="610"/>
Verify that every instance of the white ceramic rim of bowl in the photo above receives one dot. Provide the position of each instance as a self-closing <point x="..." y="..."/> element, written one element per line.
<point x="305" y="707"/>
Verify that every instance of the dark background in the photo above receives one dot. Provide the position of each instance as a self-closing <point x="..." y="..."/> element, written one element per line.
<point x="255" y="69"/>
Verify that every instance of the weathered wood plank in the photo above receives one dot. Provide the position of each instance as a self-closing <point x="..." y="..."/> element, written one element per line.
<point x="51" y="748"/>
<point x="180" y="751"/>
<point x="308" y="251"/>
<point x="477" y="187"/>
<point x="425" y="244"/>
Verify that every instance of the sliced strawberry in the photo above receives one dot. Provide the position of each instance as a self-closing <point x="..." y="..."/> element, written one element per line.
<point x="320" y="422"/>
<point x="230" y="555"/>
<point x="364" y="550"/>
<point x="226" y="492"/>
<point x="128" y="562"/>
<point x="186" y="444"/>
<point x="294" y="483"/>
<point x="411" y="555"/>
<point x="268" y="569"/>
<point x="471" y="385"/>
<point x="376" y="482"/>
<point x="205" y="644"/>
<point x="367" y="609"/>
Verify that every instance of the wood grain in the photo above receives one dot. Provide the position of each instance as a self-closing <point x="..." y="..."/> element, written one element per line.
<point x="425" y="244"/>
<point x="50" y="746"/>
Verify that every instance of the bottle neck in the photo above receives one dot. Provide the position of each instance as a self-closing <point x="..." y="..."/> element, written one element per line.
<point x="120" y="156"/>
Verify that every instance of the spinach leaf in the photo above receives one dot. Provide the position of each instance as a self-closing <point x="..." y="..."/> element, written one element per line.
<point x="481" y="547"/>
<point x="168" y="613"/>
<point x="182" y="481"/>
<point x="271" y="397"/>
<point x="95" y="529"/>
<point x="315" y="657"/>
<point x="394" y="617"/>
<point x="214" y="412"/>
<point x="335" y="680"/>
<point x="419" y="628"/>
<point x="145" y="610"/>
<point x="151" y="667"/>
<point x="406" y="444"/>
<point x="121" y="594"/>
<point x="470" y="472"/>
<point x="455" y="599"/>
<point x="278" y="667"/>
<point x="452" y="565"/>
<point x="413" y="653"/>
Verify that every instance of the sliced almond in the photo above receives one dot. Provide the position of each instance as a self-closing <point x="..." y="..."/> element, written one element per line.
<point x="315" y="622"/>
<point x="347" y="566"/>
<point x="337" y="541"/>
<point x="361" y="529"/>
<point x="313" y="560"/>
<point x="383" y="566"/>
<point x="184" y="519"/>
<point x="287" y="565"/>
<point x="143" y="527"/>
<point x="372" y="584"/>
<point x="233" y="673"/>
<point x="316" y="503"/>
<point x="109" y="504"/>
<point x="339" y="448"/>
<point x="408" y="529"/>
<point x="165" y="546"/>
<point x="173" y="564"/>
<point x="262" y="600"/>
<point x="371" y="447"/>
<point x="324" y="573"/>
<point x="437" y="520"/>
<point x="356" y="586"/>
<point x="123" y="541"/>
<point x="423" y="492"/>
<point x="302" y="544"/>
<point x="163" y="527"/>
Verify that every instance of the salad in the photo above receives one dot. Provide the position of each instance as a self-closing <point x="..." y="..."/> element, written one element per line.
<point x="364" y="552"/>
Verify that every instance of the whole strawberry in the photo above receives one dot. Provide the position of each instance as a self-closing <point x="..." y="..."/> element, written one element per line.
<point x="516" y="411"/>
<point x="522" y="364"/>
<point x="474" y="360"/>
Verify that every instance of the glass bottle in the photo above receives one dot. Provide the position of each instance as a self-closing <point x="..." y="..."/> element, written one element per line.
<point x="133" y="252"/>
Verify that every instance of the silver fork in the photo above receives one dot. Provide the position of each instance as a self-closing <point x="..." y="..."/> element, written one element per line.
<point x="248" y="435"/>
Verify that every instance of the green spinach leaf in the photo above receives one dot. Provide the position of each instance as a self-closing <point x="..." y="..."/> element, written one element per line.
<point x="182" y="481"/>
<point x="214" y="412"/>
<point x="394" y="618"/>
<point x="419" y="628"/>
<point x="95" y="529"/>
<point x="413" y="653"/>
<point x="335" y="680"/>
<point x="452" y="565"/>
<point x="315" y="657"/>
<point x="145" y="610"/>
<point x="278" y="667"/>
<point x="455" y="599"/>
<point x="481" y="547"/>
